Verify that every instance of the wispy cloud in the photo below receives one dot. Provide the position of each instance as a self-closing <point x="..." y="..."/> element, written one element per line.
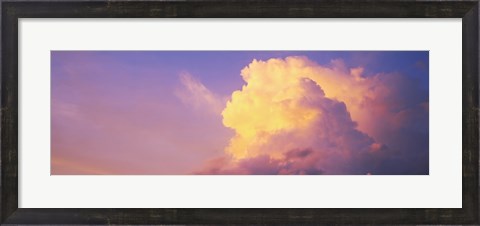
<point x="193" y="93"/>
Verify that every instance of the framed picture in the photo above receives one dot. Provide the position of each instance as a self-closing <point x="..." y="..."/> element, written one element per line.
<point x="239" y="112"/>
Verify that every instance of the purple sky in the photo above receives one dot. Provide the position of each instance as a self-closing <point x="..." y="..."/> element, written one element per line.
<point x="144" y="112"/>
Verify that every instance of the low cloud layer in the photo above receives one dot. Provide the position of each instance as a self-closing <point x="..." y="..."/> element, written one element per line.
<point x="294" y="116"/>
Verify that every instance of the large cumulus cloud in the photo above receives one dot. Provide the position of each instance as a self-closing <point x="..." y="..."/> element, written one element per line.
<point x="294" y="116"/>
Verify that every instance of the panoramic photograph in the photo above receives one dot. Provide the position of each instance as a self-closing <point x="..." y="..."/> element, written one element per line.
<point x="239" y="113"/>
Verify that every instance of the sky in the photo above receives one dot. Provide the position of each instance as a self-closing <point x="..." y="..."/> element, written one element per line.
<point x="239" y="112"/>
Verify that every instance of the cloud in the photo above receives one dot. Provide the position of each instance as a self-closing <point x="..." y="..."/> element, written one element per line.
<point x="193" y="93"/>
<point x="299" y="162"/>
<point x="294" y="116"/>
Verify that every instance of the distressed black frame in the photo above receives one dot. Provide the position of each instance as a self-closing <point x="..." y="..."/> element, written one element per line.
<point x="13" y="10"/>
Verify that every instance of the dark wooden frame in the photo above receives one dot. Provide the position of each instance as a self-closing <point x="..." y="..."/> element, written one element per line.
<point x="12" y="10"/>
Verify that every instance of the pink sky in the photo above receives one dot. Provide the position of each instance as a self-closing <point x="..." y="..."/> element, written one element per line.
<point x="175" y="113"/>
